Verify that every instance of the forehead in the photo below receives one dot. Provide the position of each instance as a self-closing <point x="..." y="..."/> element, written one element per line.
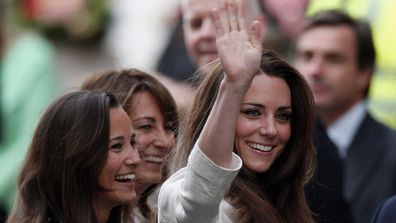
<point x="269" y="90"/>
<point x="143" y="103"/>
<point x="119" y="121"/>
<point x="338" y="38"/>
<point x="191" y="8"/>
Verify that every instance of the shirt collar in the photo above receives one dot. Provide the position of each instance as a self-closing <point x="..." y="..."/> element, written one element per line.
<point x="343" y="130"/>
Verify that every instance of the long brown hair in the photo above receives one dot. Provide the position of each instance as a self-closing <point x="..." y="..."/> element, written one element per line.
<point x="278" y="194"/>
<point x="59" y="176"/>
<point x="125" y="84"/>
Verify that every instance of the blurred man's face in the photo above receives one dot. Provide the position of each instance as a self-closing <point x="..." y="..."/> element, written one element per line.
<point x="199" y="30"/>
<point x="326" y="57"/>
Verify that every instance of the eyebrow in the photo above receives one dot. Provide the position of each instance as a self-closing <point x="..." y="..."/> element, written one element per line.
<point x="145" y="117"/>
<point x="253" y="104"/>
<point x="284" y="108"/>
<point x="116" y="138"/>
<point x="263" y="106"/>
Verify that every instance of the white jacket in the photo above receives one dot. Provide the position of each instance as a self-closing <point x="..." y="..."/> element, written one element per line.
<point x="195" y="193"/>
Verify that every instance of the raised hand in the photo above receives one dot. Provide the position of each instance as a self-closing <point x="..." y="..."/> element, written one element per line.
<point x="239" y="48"/>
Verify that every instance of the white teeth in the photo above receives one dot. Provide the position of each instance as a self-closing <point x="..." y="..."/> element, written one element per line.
<point x="260" y="147"/>
<point x="153" y="159"/>
<point x="125" y="177"/>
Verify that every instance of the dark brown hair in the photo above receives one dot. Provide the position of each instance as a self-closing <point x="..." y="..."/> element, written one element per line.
<point x="59" y="176"/>
<point x="365" y="49"/>
<point x="124" y="85"/>
<point x="278" y="194"/>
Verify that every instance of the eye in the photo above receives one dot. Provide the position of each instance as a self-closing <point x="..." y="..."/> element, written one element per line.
<point x="283" y="116"/>
<point x="195" y="23"/>
<point x="169" y="127"/>
<point x="304" y="56"/>
<point x="335" y="59"/>
<point x="116" y="146"/>
<point x="251" y="112"/>
<point x="133" y="141"/>
<point x="145" y="127"/>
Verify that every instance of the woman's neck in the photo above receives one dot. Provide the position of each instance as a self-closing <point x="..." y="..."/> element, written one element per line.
<point x="102" y="213"/>
<point x="141" y="188"/>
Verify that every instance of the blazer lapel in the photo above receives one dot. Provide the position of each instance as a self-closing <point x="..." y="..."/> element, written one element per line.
<point x="364" y="153"/>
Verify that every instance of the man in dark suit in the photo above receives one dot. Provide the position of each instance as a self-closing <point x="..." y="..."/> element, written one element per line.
<point x="324" y="193"/>
<point x="336" y="55"/>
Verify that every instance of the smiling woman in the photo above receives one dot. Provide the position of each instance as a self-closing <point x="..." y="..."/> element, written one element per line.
<point x="81" y="163"/>
<point x="154" y="118"/>
<point x="263" y="126"/>
<point x="250" y="128"/>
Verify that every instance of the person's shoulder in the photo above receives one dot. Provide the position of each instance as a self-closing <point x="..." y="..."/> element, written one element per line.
<point x="31" y="42"/>
<point x="386" y="212"/>
<point x="34" y="51"/>
<point x="382" y="130"/>
<point x="388" y="134"/>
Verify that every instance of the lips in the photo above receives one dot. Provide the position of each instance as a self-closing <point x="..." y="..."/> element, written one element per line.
<point x="260" y="147"/>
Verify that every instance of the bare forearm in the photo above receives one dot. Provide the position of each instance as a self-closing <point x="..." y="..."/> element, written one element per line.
<point x="217" y="137"/>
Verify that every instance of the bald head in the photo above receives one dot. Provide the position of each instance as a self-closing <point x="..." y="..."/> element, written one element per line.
<point x="199" y="30"/>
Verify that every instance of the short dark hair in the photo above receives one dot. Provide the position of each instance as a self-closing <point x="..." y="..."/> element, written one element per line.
<point x="362" y="30"/>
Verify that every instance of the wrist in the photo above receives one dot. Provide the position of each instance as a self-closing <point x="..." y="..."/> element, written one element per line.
<point x="239" y="86"/>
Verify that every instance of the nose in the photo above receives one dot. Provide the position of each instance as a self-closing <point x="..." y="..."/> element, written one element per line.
<point x="208" y="29"/>
<point x="133" y="157"/>
<point x="315" y="68"/>
<point x="268" y="128"/>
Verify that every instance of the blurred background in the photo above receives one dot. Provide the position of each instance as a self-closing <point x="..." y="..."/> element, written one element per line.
<point x="88" y="36"/>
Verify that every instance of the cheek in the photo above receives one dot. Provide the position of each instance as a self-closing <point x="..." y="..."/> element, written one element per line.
<point x="108" y="171"/>
<point x="302" y="68"/>
<point x="190" y="39"/>
<point x="143" y="140"/>
<point x="284" y="133"/>
<point x="172" y="141"/>
<point x="244" y="127"/>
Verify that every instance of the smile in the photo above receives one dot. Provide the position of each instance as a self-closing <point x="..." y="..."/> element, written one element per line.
<point x="260" y="147"/>
<point x="125" y="178"/>
<point x="152" y="159"/>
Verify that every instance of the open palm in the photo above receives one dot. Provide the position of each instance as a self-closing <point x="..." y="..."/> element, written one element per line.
<point x="239" y="49"/>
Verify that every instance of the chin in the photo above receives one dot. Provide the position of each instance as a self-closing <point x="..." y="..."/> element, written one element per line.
<point x="127" y="199"/>
<point x="149" y="179"/>
<point x="258" y="168"/>
<point x="206" y="59"/>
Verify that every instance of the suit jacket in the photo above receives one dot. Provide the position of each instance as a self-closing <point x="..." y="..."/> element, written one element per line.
<point x="324" y="194"/>
<point x="386" y="212"/>
<point x="370" y="169"/>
